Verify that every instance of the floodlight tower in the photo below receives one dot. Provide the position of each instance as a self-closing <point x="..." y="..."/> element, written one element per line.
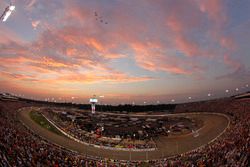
<point x="93" y="101"/>
<point x="7" y="12"/>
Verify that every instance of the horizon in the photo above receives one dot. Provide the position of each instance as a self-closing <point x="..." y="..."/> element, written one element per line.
<point x="102" y="102"/>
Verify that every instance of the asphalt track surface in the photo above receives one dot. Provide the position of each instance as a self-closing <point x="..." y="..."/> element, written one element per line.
<point x="214" y="125"/>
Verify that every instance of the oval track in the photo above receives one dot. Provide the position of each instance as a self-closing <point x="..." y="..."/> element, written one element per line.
<point x="214" y="125"/>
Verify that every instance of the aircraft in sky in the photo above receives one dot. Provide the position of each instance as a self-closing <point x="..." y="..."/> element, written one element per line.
<point x="100" y="18"/>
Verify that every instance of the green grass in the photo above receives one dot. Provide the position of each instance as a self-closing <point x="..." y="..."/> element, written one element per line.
<point x="39" y="119"/>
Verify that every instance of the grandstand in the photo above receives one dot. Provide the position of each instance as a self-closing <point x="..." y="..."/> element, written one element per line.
<point x="7" y="96"/>
<point x="26" y="143"/>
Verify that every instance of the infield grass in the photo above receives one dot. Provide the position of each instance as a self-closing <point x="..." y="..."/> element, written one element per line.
<point x="39" y="119"/>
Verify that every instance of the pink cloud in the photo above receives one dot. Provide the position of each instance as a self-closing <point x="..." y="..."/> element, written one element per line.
<point x="17" y="76"/>
<point x="228" y="43"/>
<point x="114" y="77"/>
<point x="188" y="47"/>
<point x="232" y="63"/>
<point x="35" y="23"/>
<point x="152" y="57"/>
<point x="74" y="47"/>
<point x="31" y="4"/>
<point x="214" y="9"/>
<point x="35" y="60"/>
<point x="8" y="36"/>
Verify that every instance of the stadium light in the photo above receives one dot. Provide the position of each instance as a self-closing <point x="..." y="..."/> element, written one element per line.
<point x="172" y="100"/>
<point x="7" y="12"/>
<point x="93" y="101"/>
<point x="189" y="97"/>
<point x="247" y="85"/>
<point x="209" y="94"/>
<point x="227" y="91"/>
<point x="237" y="89"/>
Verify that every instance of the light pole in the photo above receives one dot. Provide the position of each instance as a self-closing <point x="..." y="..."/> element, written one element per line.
<point x="93" y="101"/>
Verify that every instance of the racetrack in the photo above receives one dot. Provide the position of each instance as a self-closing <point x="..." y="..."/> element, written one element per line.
<point x="214" y="125"/>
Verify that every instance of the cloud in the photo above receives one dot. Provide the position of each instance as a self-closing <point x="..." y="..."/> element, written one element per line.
<point x="214" y="9"/>
<point x="217" y="12"/>
<point x="16" y="76"/>
<point x="241" y="74"/>
<point x="163" y="37"/>
<point x="31" y="4"/>
<point x="155" y="42"/>
<point x="35" y="24"/>
<point x="66" y="55"/>
<point x="154" y="59"/>
<point x="81" y="43"/>
<point x="232" y="63"/>
<point x="115" y="77"/>
<point x="8" y="36"/>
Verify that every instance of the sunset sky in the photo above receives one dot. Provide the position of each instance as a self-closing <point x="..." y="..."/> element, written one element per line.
<point x="149" y="50"/>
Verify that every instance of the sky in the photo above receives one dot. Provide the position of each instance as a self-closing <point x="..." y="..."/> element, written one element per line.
<point x="125" y="50"/>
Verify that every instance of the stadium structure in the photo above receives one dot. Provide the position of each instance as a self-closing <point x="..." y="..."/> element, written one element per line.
<point x="185" y="62"/>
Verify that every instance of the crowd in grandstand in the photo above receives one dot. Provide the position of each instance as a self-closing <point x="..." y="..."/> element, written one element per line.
<point x="21" y="147"/>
